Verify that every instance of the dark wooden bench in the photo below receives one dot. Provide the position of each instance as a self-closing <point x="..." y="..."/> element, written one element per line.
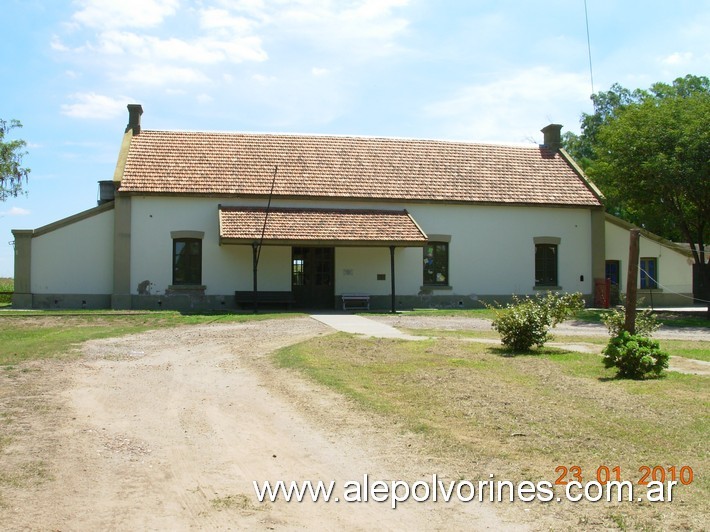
<point x="266" y="298"/>
<point x="356" y="301"/>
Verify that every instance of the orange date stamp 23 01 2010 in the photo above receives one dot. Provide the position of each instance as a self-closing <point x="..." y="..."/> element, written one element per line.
<point x="646" y="474"/>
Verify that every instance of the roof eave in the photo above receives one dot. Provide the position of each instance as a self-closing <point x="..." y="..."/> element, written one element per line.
<point x="324" y="243"/>
<point x="291" y="197"/>
<point x="585" y="179"/>
<point x="649" y="235"/>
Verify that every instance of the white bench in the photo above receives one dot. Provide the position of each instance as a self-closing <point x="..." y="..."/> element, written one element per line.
<point x="356" y="302"/>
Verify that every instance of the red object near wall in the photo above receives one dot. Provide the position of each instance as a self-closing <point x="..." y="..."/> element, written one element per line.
<point x="602" y="293"/>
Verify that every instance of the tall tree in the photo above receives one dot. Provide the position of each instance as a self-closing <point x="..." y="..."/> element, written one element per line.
<point x="12" y="174"/>
<point x="649" y="152"/>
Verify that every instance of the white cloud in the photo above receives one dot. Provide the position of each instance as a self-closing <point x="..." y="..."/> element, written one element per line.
<point x="104" y="14"/>
<point x="677" y="59"/>
<point x="260" y="78"/>
<point x="149" y="74"/>
<point x="317" y="72"/>
<point x="363" y="29"/>
<point x="94" y="106"/>
<point x="141" y="45"/>
<point x="202" y="50"/>
<point x="204" y="99"/>
<point x="56" y="44"/>
<point x="222" y="20"/>
<point x="16" y="211"/>
<point x="513" y="108"/>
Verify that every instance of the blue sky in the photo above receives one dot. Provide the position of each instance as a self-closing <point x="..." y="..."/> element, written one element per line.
<point x="494" y="70"/>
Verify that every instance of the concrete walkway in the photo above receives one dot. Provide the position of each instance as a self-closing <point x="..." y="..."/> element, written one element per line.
<point x="350" y="323"/>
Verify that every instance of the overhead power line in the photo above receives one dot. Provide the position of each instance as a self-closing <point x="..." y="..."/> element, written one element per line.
<point x="589" y="46"/>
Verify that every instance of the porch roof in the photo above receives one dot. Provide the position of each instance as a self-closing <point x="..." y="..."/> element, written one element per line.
<point x="341" y="227"/>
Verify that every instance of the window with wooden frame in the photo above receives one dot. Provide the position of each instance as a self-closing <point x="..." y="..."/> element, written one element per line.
<point x="612" y="271"/>
<point x="545" y="265"/>
<point x="648" y="269"/>
<point x="187" y="261"/>
<point x="436" y="263"/>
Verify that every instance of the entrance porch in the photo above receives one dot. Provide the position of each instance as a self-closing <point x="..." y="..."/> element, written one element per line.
<point x="313" y="236"/>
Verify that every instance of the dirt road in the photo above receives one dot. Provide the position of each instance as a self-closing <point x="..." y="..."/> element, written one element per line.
<point x="168" y="429"/>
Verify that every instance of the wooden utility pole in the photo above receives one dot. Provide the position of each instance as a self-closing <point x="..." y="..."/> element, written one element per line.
<point x="631" y="281"/>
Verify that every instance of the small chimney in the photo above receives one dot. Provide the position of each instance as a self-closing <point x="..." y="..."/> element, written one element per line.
<point x="553" y="139"/>
<point x="107" y="192"/>
<point x="135" y="110"/>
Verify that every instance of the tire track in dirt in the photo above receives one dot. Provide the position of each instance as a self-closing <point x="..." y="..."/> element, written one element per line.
<point x="167" y="430"/>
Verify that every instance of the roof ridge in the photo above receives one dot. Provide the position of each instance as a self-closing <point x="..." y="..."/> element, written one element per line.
<point x="523" y="145"/>
<point x="353" y="210"/>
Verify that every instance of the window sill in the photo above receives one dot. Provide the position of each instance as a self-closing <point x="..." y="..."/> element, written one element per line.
<point x="186" y="289"/>
<point x="436" y="287"/>
<point x="551" y="287"/>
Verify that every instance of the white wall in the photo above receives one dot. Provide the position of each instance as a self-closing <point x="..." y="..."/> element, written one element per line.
<point x="492" y="251"/>
<point x="74" y="259"/>
<point x="356" y="270"/>
<point x="675" y="270"/>
<point x="224" y="268"/>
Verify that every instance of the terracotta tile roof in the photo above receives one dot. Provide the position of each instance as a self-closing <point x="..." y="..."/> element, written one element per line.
<point x="236" y="164"/>
<point x="343" y="226"/>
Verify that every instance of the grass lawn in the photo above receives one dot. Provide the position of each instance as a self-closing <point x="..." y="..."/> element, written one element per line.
<point x="32" y="335"/>
<point x="523" y="417"/>
<point x="696" y="349"/>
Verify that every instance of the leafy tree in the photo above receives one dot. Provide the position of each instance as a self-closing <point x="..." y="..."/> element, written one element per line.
<point x="648" y="151"/>
<point x="12" y="174"/>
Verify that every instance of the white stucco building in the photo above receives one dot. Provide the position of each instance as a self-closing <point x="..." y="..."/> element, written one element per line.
<point x="665" y="268"/>
<point x="407" y="223"/>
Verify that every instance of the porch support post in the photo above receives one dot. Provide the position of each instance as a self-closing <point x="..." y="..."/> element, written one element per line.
<point x="392" y="277"/>
<point x="255" y="264"/>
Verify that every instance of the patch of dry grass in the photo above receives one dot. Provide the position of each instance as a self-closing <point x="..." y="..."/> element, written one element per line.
<point x="36" y="335"/>
<point x="522" y="417"/>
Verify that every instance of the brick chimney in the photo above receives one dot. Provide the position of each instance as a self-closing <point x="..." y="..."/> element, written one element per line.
<point x="553" y="139"/>
<point x="135" y="110"/>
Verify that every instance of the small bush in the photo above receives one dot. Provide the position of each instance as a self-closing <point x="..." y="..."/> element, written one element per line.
<point x="635" y="356"/>
<point x="526" y="322"/>
<point x="646" y="322"/>
<point x="6" y="285"/>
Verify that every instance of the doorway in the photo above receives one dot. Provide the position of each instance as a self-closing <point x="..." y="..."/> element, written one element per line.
<point x="613" y="270"/>
<point x="313" y="277"/>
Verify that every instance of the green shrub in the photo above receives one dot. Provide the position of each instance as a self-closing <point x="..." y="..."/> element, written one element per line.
<point x="635" y="356"/>
<point x="6" y="285"/>
<point x="526" y="322"/>
<point x="646" y="322"/>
